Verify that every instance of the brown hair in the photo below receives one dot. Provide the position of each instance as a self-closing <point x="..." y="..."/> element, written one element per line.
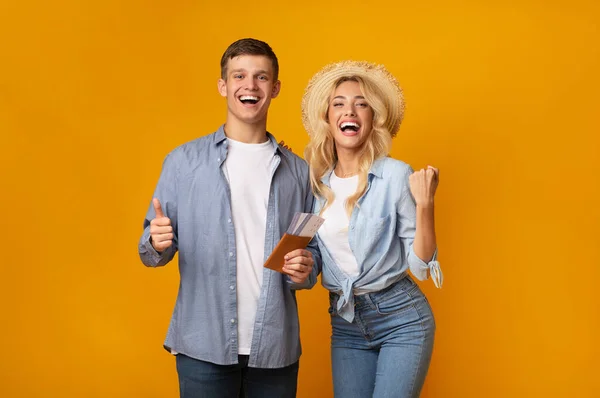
<point x="249" y="47"/>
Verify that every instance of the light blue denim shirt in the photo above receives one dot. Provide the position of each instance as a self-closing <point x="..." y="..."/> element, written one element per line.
<point x="380" y="233"/>
<point x="195" y="195"/>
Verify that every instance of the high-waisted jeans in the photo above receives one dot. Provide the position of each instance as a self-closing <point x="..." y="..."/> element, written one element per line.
<point x="386" y="350"/>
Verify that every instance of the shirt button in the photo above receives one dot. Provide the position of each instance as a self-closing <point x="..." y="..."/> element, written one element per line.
<point x="352" y="227"/>
<point x="229" y="220"/>
<point x="230" y="254"/>
<point x="231" y="287"/>
<point x="219" y="159"/>
<point x="233" y="321"/>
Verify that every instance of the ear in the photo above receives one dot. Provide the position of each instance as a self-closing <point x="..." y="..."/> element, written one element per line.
<point x="276" y="89"/>
<point x="222" y="86"/>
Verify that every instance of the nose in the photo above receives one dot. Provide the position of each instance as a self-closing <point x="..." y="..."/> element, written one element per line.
<point x="252" y="85"/>
<point x="349" y="111"/>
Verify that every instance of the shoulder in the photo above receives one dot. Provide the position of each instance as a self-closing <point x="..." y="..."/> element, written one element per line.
<point x="393" y="177"/>
<point x="193" y="150"/>
<point x="195" y="145"/>
<point x="295" y="163"/>
<point x="393" y="169"/>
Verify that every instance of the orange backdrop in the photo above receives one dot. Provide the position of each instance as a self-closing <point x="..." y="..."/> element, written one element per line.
<point x="502" y="97"/>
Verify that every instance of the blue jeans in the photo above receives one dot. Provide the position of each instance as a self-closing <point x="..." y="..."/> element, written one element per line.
<point x="200" y="379"/>
<point x="385" y="352"/>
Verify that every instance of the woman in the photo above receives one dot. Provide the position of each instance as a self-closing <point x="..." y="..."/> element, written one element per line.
<point x="379" y="223"/>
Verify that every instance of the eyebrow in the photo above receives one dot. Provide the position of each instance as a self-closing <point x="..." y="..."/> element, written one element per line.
<point x="342" y="97"/>
<point x="258" y="72"/>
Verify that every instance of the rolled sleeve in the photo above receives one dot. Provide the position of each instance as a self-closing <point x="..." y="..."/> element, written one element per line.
<point x="422" y="270"/>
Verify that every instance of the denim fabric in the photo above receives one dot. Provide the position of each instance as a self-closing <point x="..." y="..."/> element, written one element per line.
<point x="385" y="351"/>
<point x="200" y="379"/>
<point x="195" y="195"/>
<point x="381" y="234"/>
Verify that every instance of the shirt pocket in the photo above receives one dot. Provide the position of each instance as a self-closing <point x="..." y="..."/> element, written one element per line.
<point x="373" y="230"/>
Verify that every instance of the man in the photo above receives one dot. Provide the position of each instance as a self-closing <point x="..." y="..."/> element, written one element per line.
<point x="224" y="201"/>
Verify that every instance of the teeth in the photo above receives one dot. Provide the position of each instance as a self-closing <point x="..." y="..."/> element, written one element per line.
<point x="248" y="98"/>
<point x="349" y="124"/>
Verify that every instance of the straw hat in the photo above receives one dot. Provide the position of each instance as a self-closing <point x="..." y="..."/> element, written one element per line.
<point x="323" y="82"/>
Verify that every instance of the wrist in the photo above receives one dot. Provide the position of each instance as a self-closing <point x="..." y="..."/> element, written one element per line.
<point x="153" y="246"/>
<point x="428" y="204"/>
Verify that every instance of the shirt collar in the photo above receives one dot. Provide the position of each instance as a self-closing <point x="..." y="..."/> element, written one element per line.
<point x="220" y="138"/>
<point x="376" y="170"/>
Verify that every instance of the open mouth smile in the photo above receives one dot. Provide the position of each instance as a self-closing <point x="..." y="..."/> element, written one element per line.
<point x="349" y="128"/>
<point x="249" y="100"/>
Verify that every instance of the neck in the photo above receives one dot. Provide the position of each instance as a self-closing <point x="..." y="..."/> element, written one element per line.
<point x="347" y="163"/>
<point x="248" y="133"/>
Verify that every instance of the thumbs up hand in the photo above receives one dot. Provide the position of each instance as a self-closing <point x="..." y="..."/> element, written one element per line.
<point x="161" y="231"/>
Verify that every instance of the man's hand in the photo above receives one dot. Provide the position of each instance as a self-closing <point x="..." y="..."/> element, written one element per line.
<point x="283" y="144"/>
<point x="161" y="231"/>
<point x="298" y="265"/>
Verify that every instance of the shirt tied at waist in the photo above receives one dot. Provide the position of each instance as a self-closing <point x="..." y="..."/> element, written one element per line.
<point x="345" y="304"/>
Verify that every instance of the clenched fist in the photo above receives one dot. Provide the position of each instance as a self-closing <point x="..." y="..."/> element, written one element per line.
<point x="161" y="231"/>
<point x="423" y="184"/>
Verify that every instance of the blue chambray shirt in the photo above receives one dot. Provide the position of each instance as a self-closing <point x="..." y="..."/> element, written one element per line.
<point x="380" y="233"/>
<point x="195" y="195"/>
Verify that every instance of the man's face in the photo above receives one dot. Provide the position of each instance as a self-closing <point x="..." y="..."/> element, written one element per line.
<point x="249" y="88"/>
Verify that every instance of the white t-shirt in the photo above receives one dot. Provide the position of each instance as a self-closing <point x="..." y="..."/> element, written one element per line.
<point x="248" y="168"/>
<point x="334" y="231"/>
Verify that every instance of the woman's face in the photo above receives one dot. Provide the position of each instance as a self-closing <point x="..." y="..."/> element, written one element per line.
<point x="350" y="117"/>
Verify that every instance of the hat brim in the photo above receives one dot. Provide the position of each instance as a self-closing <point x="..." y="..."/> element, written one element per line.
<point x="323" y="82"/>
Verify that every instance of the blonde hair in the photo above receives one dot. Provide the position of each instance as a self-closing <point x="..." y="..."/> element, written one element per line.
<point x="321" y="154"/>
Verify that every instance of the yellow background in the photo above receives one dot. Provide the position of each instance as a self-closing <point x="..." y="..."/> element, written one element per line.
<point x="501" y="96"/>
